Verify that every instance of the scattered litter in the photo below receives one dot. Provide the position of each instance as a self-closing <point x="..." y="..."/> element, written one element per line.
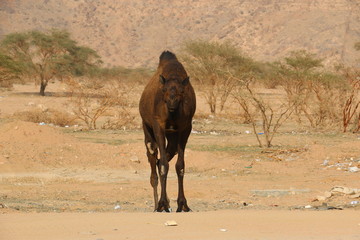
<point x="42" y="124"/>
<point x="223" y="230"/>
<point x="324" y="206"/>
<point x="347" y="164"/>
<point x="354" y="202"/>
<point x="171" y="223"/>
<point x="326" y="162"/>
<point x="214" y="133"/>
<point x="260" y="133"/>
<point x="117" y="207"/>
<point x="247" y="132"/>
<point x="354" y="169"/>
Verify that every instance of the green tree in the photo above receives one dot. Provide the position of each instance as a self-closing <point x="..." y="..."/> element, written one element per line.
<point x="217" y="67"/>
<point x="46" y="56"/>
<point x="313" y="91"/>
<point x="9" y="70"/>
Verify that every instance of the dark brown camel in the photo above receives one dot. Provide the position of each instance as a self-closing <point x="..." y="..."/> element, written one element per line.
<point x="167" y="106"/>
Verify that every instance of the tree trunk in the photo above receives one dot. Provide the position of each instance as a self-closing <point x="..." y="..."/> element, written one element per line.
<point x="42" y="88"/>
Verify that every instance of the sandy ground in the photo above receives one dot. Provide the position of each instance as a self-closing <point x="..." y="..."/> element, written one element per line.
<point x="205" y="225"/>
<point x="63" y="183"/>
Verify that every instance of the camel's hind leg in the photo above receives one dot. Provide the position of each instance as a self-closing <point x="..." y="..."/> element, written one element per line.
<point x="180" y="170"/>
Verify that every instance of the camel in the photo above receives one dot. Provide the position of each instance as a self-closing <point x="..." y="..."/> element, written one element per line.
<point x="167" y="106"/>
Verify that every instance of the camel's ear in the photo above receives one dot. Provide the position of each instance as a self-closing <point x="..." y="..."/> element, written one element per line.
<point x="162" y="79"/>
<point x="185" y="81"/>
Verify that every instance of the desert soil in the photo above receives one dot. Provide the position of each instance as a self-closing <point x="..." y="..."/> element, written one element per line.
<point x="67" y="183"/>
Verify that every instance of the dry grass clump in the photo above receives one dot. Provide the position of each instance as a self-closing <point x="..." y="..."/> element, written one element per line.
<point x="94" y="101"/>
<point x="48" y="116"/>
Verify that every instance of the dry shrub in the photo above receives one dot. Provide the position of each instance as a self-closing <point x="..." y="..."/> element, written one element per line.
<point x="92" y="99"/>
<point x="49" y="116"/>
<point x="122" y="119"/>
<point x="5" y="82"/>
<point x="316" y="98"/>
<point x="269" y="113"/>
<point x="332" y="102"/>
<point x="351" y="99"/>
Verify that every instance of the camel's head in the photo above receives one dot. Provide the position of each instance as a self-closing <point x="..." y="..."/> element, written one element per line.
<point x="173" y="90"/>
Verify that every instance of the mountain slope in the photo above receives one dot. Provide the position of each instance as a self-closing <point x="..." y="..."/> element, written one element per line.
<point x="133" y="33"/>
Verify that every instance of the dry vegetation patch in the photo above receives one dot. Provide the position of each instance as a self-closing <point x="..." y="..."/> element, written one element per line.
<point x="47" y="116"/>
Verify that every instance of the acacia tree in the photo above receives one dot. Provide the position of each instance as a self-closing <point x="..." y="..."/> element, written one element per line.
<point x="46" y="56"/>
<point x="214" y="66"/>
<point x="309" y="88"/>
<point x="9" y="70"/>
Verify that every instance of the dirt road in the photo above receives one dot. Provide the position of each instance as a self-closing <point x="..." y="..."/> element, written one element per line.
<point x="245" y="224"/>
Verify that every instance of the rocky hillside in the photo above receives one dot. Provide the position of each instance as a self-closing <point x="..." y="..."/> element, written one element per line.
<point x="132" y="33"/>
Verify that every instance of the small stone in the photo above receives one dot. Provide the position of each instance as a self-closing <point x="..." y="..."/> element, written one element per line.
<point x="321" y="198"/>
<point x="135" y="159"/>
<point x="328" y="194"/>
<point x="356" y="195"/>
<point x="171" y="223"/>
